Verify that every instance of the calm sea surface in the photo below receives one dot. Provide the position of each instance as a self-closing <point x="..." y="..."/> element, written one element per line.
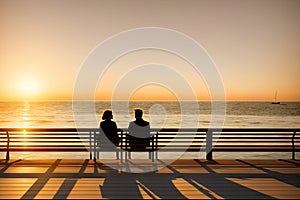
<point x="159" y="113"/>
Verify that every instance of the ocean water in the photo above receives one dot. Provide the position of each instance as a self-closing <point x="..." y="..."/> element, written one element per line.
<point x="161" y="114"/>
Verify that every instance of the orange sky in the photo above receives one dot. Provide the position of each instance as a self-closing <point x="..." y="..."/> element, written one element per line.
<point x="255" y="45"/>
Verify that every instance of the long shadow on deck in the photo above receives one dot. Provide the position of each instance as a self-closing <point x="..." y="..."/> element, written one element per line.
<point x="39" y="184"/>
<point x="122" y="185"/>
<point x="290" y="179"/>
<point x="224" y="187"/>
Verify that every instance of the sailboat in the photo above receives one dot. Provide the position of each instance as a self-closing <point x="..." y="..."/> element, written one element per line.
<point x="276" y="102"/>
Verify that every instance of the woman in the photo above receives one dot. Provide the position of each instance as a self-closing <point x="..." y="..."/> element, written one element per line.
<point x="109" y="127"/>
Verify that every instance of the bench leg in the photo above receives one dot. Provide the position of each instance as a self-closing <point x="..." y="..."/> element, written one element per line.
<point x="95" y="155"/>
<point x="209" y="155"/>
<point x="152" y="156"/>
<point x="121" y="152"/>
<point x="117" y="154"/>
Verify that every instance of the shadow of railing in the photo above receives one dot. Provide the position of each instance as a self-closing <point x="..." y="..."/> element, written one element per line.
<point x="119" y="184"/>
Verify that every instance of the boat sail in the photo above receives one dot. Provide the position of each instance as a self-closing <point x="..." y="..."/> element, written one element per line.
<point x="275" y="101"/>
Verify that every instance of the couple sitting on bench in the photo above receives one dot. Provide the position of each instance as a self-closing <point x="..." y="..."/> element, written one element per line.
<point x="137" y="139"/>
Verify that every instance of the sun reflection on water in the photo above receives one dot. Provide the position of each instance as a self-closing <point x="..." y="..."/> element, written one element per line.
<point x="26" y="114"/>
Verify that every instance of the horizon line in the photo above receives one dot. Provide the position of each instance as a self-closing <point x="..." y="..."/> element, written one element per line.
<point x="40" y="100"/>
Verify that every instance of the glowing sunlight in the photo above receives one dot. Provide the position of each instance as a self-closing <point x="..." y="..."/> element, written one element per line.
<point x="29" y="87"/>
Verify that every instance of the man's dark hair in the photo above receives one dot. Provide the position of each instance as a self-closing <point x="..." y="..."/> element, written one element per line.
<point x="138" y="113"/>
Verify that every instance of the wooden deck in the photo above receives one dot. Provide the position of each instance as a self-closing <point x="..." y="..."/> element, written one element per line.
<point x="196" y="179"/>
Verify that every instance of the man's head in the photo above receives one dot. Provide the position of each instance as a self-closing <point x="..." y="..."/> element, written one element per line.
<point x="138" y="113"/>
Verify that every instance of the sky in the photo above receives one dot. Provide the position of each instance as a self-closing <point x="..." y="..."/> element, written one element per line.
<point x="255" y="45"/>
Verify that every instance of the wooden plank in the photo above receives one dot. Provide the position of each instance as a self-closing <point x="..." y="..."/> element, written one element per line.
<point x="186" y="178"/>
<point x="277" y="189"/>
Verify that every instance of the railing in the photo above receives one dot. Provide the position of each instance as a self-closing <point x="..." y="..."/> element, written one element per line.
<point x="164" y="140"/>
<point x="229" y="140"/>
<point x="46" y="140"/>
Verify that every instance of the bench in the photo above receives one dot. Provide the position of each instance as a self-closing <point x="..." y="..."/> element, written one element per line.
<point x="127" y="145"/>
<point x="201" y="140"/>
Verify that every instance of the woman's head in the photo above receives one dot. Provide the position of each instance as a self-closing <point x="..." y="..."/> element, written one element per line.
<point x="107" y="114"/>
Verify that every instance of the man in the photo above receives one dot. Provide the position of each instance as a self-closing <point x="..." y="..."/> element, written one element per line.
<point x="139" y="131"/>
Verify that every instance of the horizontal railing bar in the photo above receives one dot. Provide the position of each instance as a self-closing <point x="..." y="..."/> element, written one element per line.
<point x="267" y="146"/>
<point x="155" y="129"/>
<point x="161" y="137"/>
<point x="166" y="136"/>
<point x="50" y="145"/>
<point x="231" y="133"/>
<point x="49" y="150"/>
<point x="230" y="150"/>
<point x="48" y="137"/>
<point x="227" y="147"/>
<point x="163" y="144"/>
<point x="258" y="145"/>
<point x="160" y="149"/>
<point x="244" y="137"/>
<point x="47" y="133"/>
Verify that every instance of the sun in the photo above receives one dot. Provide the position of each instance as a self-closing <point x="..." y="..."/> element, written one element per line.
<point x="29" y="87"/>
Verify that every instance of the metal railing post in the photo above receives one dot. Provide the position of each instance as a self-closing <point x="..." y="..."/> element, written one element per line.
<point x="7" y="145"/>
<point x="293" y="146"/>
<point x="90" y="140"/>
<point x="95" y="150"/>
<point x="156" y="147"/>
<point x="126" y="147"/>
<point x="121" y="146"/>
<point x="152" y="148"/>
<point x="209" y="151"/>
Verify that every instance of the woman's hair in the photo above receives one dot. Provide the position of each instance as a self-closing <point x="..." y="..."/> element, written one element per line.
<point x="106" y="114"/>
